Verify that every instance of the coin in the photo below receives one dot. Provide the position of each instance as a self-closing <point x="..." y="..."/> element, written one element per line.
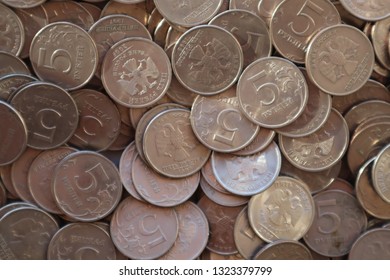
<point x="154" y="19"/>
<point x="125" y="137"/>
<point x="380" y="177"/>
<point x="94" y="10"/>
<point x="379" y="35"/>
<point x="3" y="195"/>
<point x="259" y="143"/>
<point x="5" y="173"/>
<point x="9" y="84"/>
<point x="86" y="186"/>
<point x="137" y="10"/>
<point x="338" y="222"/>
<point x="143" y="231"/>
<point x="23" y="4"/>
<point x="284" y="250"/>
<point x="12" y="32"/>
<point x="369" y="121"/>
<point x="208" y="255"/>
<point x="219" y="124"/>
<point x="272" y="92"/>
<point x="339" y="59"/>
<point x="207" y="59"/>
<point x="283" y="211"/>
<point x="81" y="241"/>
<point x="65" y="54"/>
<point x="11" y="64"/>
<point x="50" y="114"/>
<point x="172" y="37"/>
<point x="161" y="32"/>
<point x="372" y="245"/>
<point x="171" y="147"/>
<point x="14" y="205"/>
<point x="342" y="185"/>
<point x="367" y="10"/>
<point x="209" y="176"/>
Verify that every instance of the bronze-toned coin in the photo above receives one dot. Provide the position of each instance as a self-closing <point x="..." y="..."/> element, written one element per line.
<point x="369" y="121"/>
<point x="372" y="10"/>
<point x="209" y="176"/>
<point x="342" y="185"/>
<point x="347" y="17"/>
<point x="106" y="227"/>
<point x="193" y="233"/>
<point x="143" y="231"/>
<point x="86" y="186"/>
<point x="23" y="4"/>
<point x="9" y="84"/>
<point x="25" y="234"/>
<point x="160" y="190"/>
<point x="272" y="92"/>
<point x="338" y="222"/>
<point x="125" y="137"/>
<point x="12" y="31"/>
<point x="367" y="196"/>
<point x="371" y="245"/>
<point x="284" y="250"/>
<point x="50" y="114"/>
<point x="294" y="23"/>
<point x="315" y="114"/>
<point x="172" y="37"/>
<point x="247" y="241"/>
<point x="92" y="9"/>
<point x="81" y="241"/>
<point x="65" y="54"/>
<point x="250" y="31"/>
<point x="340" y="59"/>
<point x="208" y="255"/>
<point x="259" y="143"/>
<point x="218" y="123"/>
<point x="11" y="64"/>
<point x="160" y="33"/>
<point x="319" y="150"/>
<point x="40" y="176"/>
<point x="3" y="195"/>
<point x="154" y="19"/>
<point x="14" y="205"/>
<point x="379" y="35"/>
<point x="380" y="175"/>
<point x="207" y="59"/>
<point x="247" y="175"/>
<point x="283" y="211"/>
<point x="13" y="137"/>
<point x="171" y="147"/>
<point x="5" y="174"/>
<point x="137" y="11"/>
<point x="136" y="72"/>
<point x="221" y="222"/>
<point x="380" y="73"/>
<point x="99" y="120"/>
<point x="111" y="29"/>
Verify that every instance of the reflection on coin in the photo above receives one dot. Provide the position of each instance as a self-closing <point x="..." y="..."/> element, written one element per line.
<point x="11" y="64"/>
<point x="340" y="59"/>
<point x="161" y="32"/>
<point x="26" y="233"/>
<point x="136" y="11"/>
<point x="372" y="10"/>
<point x="12" y="35"/>
<point x="143" y="231"/>
<point x="338" y="223"/>
<point x="14" y="205"/>
<point x="379" y="35"/>
<point x="86" y="186"/>
<point x="372" y="245"/>
<point x="272" y="92"/>
<point x="283" y="211"/>
<point x="284" y="250"/>
<point x="81" y="241"/>
<point x="209" y="176"/>
<point x="9" y="84"/>
<point x="259" y="143"/>
<point x="380" y="174"/>
<point x="342" y="185"/>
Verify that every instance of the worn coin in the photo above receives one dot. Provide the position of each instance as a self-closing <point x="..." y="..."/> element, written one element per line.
<point x="380" y="175"/>
<point x="9" y="84"/>
<point x="11" y="64"/>
<point x="136" y="10"/>
<point x="342" y="185"/>
<point x="12" y="31"/>
<point x="208" y="174"/>
<point x="3" y="195"/>
<point x="372" y="10"/>
<point x="372" y="245"/>
<point x="14" y="205"/>
<point x="379" y="37"/>
<point x="284" y="250"/>
<point x="5" y="175"/>
<point x="259" y="143"/>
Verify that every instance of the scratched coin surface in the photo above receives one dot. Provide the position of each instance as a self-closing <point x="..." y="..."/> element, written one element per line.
<point x="283" y="211"/>
<point x="143" y="231"/>
<point x="340" y="59"/>
<point x="272" y="92"/>
<point x="171" y="147"/>
<point x="367" y="10"/>
<point x="11" y="64"/>
<point x="64" y="54"/>
<point x="207" y="59"/>
<point x="371" y="245"/>
<point x="380" y="174"/>
<point x="218" y="123"/>
<point x="284" y="250"/>
<point x="12" y="31"/>
<point x="86" y="186"/>
<point x="247" y="175"/>
<point x="81" y="241"/>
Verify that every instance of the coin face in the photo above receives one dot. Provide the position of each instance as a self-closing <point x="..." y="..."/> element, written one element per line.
<point x="209" y="176"/>
<point x="379" y="35"/>
<point x="380" y="174"/>
<point x="284" y="250"/>
<point x="64" y="54"/>
<point x="362" y="248"/>
<point x="340" y="59"/>
<point x="12" y="64"/>
<point x="283" y="211"/>
<point x="367" y="10"/>
<point x="3" y="195"/>
<point x="262" y="8"/>
<point x="272" y="92"/>
<point x="9" y="84"/>
<point x="207" y="59"/>
<point x="12" y="34"/>
<point x="259" y="143"/>
<point x="135" y="10"/>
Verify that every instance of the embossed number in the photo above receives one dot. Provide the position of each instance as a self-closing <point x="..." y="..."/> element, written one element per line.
<point x="223" y="121"/>
<point x="59" y="60"/>
<point x="255" y="41"/>
<point x="161" y="237"/>
<point x="86" y="128"/>
<point x="46" y="132"/>
<point x="303" y="14"/>
<point x="268" y="92"/>
<point x="333" y="217"/>
<point x="97" y="174"/>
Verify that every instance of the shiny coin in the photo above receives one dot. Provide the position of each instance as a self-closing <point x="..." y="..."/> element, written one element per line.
<point x="379" y="35"/>
<point x="272" y="92"/>
<point x="259" y="143"/>
<point x="9" y="84"/>
<point x="284" y="250"/>
<point x="207" y="59"/>
<point x="136" y="10"/>
<point x="340" y="59"/>
<point x="12" y="31"/>
<point x="283" y="211"/>
<point x="363" y="248"/>
<point x="11" y="64"/>
<point x="14" y="205"/>
<point x="380" y="175"/>
<point x="161" y="32"/>
<point x="367" y="10"/>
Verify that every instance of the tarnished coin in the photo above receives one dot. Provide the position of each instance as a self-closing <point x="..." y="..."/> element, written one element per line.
<point x="25" y="234"/>
<point x="154" y="19"/>
<point x="11" y="64"/>
<point x="3" y="195"/>
<point x="247" y="175"/>
<point x="23" y="4"/>
<point x="193" y="233"/>
<point x="259" y="143"/>
<point x="294" y="23"/>
<point x="369" y="121"/>
<point x="13" y="137"/>
<point x="81" y="241"/>
<point x="135" y="10"/>
<point x="262" y="8"/>
<point x="5" y="174"/>
<point x="221" y="222"/>
<point x="347" y="17"/>
<point x="50" y="113"/>
<point x="247" y="241"/>
<point x="272" y="92"/>
<point x="209" y="176"/>
<point x="86" y="186"/>
<point x="283" y="211"/>
<point x="319" y="150"/>
<point x="380" y="174"/>
<point x="338" y="222"/>
<point x="143" y="231"/>
<point x="284" y="250"/>
<point x="160" y="190"/>
<point x="372" y="245"/>
<point x="99" y="120"/>
<point x="126" y="132"/>
<point x="9" y="84"/>
<point x="342" y="185"/>
<point x="136" y="72"/>
<point x="340" y="59"/>
<point x="218" y="123"/>
<point x="12" y="31"/>
<point x="14" y="205"/>
<point x="379" y="35"/>
<point x="208" y="255"/>
<point x="40" y="176"/>
<point x="171" y="147"/>
<point x="64" y="54"/>
<point x="94" y="10"/>
<point x="207" y="59"/>
<point x="372" y="10"/>
<point x="161" y="32"/>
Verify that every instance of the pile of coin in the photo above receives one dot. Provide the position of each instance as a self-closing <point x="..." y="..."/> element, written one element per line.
<point x="208" y="129"/>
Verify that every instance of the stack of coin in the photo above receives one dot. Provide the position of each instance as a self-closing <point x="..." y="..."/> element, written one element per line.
<point x="194" y="129"/>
